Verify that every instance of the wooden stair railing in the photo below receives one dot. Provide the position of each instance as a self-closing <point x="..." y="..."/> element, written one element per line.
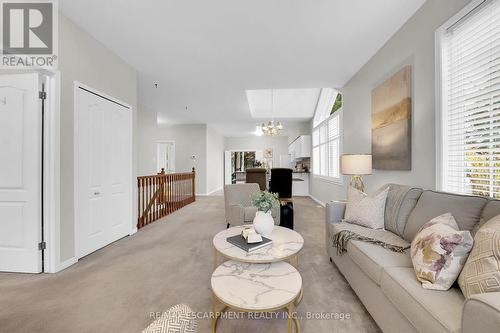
<point x="162" y="194"/>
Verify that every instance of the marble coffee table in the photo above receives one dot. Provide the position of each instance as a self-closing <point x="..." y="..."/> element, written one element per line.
<point x="256" y="288"/>
<point x="286" y="245"/>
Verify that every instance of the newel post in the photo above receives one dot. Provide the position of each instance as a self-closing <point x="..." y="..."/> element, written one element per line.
<point x="193" y="181"/>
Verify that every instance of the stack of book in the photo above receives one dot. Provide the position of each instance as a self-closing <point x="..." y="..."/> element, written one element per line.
<point x="249" y="240"/>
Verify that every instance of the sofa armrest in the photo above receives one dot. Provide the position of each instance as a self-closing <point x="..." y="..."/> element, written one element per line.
<point x="335" y="211"/>
<point x="234" y="215"/>
<point x="481" y="313"/>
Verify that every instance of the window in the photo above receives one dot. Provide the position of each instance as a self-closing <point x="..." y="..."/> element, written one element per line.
<point x="326" y="138"/>
<point x="470" y="101"/>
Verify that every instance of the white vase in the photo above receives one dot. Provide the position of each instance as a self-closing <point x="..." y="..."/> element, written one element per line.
<point x="263" y="223"/>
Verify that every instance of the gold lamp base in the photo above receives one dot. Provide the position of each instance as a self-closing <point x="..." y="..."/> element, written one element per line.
<point x="357" y="183"/>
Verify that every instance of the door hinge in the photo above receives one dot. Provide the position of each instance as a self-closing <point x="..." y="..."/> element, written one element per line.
<point x="42" y="95"/>
<point x="42" y="246"/>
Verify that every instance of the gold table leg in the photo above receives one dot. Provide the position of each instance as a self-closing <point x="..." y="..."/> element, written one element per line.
<point x="216" y="315"/>
<point x="292" y="318"/>
<point x="299" y="298"/>
<point x="294" y="261"/>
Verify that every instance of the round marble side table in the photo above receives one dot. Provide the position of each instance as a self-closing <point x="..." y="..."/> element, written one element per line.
<point x="286" y="245"/>
<point x="256" y="288"/>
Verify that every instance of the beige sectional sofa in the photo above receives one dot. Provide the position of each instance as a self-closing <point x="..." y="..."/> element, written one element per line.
<point x="385" y="281"/>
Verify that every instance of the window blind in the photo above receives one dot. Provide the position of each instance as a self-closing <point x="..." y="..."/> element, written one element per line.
<point x="326" y="147"/>
<point x="471" y="104"/>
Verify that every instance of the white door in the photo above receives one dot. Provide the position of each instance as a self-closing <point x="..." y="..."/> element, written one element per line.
<point x="103" y="171"/>
<point x="20" y="173"/>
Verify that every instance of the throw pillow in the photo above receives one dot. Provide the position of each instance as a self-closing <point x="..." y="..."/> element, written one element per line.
<point x="481" y="273"/>
<point x="179" y="318"/>
<point x="365" y="210"/>
<point x="439" y="251"/>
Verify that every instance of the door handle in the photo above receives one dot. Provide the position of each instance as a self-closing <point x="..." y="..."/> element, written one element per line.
<point x="97" y="193"/>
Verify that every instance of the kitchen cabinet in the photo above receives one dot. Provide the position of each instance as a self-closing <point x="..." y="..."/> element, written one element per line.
<point x="300" y="184"/>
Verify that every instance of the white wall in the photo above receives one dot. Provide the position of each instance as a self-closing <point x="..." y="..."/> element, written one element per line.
<point x="215" y="160"/>
<point x="84" y="59"/>
<point x="279" y="144"/>
<point x="413" y="44"/>
<point x="189" y="140"/>
<point x="293" y="130"/>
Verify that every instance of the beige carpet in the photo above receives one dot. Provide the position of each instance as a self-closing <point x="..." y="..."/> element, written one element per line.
<point x="169" y="262"/>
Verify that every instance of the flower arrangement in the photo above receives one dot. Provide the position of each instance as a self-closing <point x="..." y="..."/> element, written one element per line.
<point x="265" y="201"/>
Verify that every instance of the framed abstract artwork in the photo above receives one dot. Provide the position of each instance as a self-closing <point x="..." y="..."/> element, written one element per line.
<point x="391" y="122"/>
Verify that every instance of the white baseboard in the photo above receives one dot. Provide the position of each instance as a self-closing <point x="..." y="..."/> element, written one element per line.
<point x="317" y="200"/>
<point x="65" y="264"/>
<point x="216" y="190"/>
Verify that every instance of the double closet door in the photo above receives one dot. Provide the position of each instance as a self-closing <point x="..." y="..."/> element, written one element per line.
<point x="103" y="170"/>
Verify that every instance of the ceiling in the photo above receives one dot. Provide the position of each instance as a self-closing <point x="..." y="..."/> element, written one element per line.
<point x="297" y="104"/>
<point x="204" y="55"/>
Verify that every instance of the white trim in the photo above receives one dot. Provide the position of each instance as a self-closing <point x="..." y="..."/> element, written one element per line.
<point x="331" y="180"/>
<point x="52" y="173"/>
<point x="78" y="84"/>
<point x="317" y="200"/>
<point x="65" y="264"/>
<point x="76" y="211"/>
<point x="438" y="89"/>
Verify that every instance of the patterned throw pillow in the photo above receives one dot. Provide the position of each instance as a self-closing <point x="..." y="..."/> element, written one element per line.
<point x="439" y="252"/>
<point x="365" y="210"/>
<point x="481" y="273"/>
<point x="179" y="319"/>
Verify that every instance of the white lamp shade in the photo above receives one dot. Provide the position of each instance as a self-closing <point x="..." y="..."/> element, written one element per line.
<point x="359" y="164"/>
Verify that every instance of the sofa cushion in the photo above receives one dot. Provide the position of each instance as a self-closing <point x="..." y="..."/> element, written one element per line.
<point x="481" y="273"/>
<point x="401" y="200"/>
<point x="427" y="310"/>
<point x="439" y="251"/>
<point x="465" y="209"/>
<point x="372" y="258"/>
<point x="366" y="210"/>
<point x="491" y="210"/>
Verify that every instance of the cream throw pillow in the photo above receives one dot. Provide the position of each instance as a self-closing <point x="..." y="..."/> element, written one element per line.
<point x="481" y="273"/>
<point x="365" y="210"/>
<point x="439" y="252"/>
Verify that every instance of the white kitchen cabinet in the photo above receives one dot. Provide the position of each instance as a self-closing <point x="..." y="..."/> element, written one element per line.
<point x="300" y="184"/>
